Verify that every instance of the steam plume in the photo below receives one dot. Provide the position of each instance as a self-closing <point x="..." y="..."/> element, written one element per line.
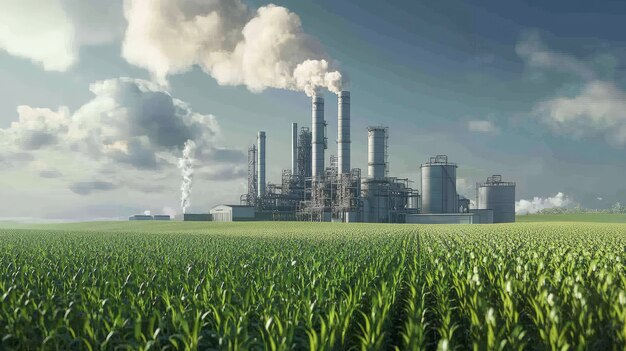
<point x="537" y="204"/>
<point x="185" y="164"/>
<point x="261" y="49"/>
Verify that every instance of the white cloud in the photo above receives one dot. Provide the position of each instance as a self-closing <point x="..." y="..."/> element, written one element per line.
<point x="38" y="30"/>
<point x="537" y="204"/>
<point x="263" y="49"/>
<point x="600" y="107"/>
<point x="537" y="55"/>
<point x="128" y="122"/>
<point x="50" y="32"/>
<point x="482" y="126"/>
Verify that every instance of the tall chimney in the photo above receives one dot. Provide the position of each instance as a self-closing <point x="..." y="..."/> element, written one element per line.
<point x="261" y="164"/>
<point x="343" y="132"/>
<point x="294" y="148"/>
<point x="318" y="143"/>
<point x="376" y="152"/>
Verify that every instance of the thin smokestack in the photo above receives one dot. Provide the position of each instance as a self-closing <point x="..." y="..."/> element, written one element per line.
<point x="343" y="132"/>
<point x="294" y="148"/>
<point x="261" y="164"/>
<point x="318" y="143"/>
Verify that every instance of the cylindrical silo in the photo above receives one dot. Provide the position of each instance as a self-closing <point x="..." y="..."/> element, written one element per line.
<point x="261" y="164"/>
<point x="294" y="148"/>
<point x="317" y="129"/>
<point x="343" y="132"/>
<point x="498" y="196"/>
<point x="439" y="186"/>
<point x="376" y="152"/>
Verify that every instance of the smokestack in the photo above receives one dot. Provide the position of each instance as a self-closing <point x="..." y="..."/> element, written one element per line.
<point x="261" y="164"/>
<point x="376" y="152"/>
<point x="294" y="148"/>
<point x="343" y="132"/>
<point x="318" y="143"/>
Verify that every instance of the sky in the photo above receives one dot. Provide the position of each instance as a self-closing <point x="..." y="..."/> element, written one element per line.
<point x="97" y="99"/>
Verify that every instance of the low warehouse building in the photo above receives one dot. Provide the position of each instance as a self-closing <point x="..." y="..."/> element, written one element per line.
<point x="162" y="217"/>
<point x="233" y="213"/>
<point x="140" y="218"/>
<point x="197" y="217"/>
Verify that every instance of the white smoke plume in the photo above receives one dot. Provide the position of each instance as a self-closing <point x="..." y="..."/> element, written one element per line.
<point x="537" y="204"/>
<point x="185" y="164"/>
<point x="261" y="49"/>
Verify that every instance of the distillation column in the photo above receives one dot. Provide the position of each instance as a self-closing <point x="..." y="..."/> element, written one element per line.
<point x="343" y="132"/>
<point x="318" y="139"/>
<point x="261" y="164"/>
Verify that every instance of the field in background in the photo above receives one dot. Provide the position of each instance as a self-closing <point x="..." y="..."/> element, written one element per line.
<point x="579" y="217"/>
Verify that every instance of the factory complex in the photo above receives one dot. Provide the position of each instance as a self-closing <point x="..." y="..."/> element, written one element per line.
<point x="314" y="191"/>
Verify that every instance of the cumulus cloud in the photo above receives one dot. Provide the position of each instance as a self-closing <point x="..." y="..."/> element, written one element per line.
<point x="537" y="204"/>
<point x="88" y="187"/>
<point x="482" y="126"/>
<point x="128" y="127"/>
<point x="537" y="55"/>
<point x="129" y="121"/>
<point x="50" y="32"/>
<point x="37" y="127"/>
<point x="600" y="107"/>
<point x="260" y="49"/>
<point x="37" y="30"/>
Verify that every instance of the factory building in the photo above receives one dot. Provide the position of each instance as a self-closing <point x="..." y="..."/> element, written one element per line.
<point x="147" y="217"/>
<point x="312" y="190"/>
<point x="197" y="217"/>
<point x="233" y="213"/>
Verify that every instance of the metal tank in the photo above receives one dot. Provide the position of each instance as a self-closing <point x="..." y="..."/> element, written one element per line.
<point x="439" y="186"/>
<point x="499" y="196"/>
<point x="318" y="138"/>
<point x="376" y="152"/>
<point x="343" y="132"/>
<point x="261" y="164"/>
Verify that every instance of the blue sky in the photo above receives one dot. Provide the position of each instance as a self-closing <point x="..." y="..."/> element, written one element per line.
<point x="531" y="90"/>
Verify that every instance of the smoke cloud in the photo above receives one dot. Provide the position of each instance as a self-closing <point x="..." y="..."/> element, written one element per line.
<point x="261" y="49"/>
<point x="186" y="168"/>
<point x="537" y="204"/>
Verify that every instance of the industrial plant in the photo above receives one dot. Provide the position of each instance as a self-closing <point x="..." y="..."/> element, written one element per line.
<point x="314" y="191"/>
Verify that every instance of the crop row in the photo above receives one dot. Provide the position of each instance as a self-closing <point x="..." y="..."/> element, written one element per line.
<point x="525" y="286"/>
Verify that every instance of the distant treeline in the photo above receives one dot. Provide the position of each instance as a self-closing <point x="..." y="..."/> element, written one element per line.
<point x="616" y="208"/>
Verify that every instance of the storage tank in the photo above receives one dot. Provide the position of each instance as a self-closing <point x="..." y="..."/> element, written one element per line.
<point x="499" y="196"/>
<point x="439" y="186"/>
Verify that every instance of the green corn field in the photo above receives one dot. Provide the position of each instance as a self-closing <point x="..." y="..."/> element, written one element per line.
<point x="294" y="286"/>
